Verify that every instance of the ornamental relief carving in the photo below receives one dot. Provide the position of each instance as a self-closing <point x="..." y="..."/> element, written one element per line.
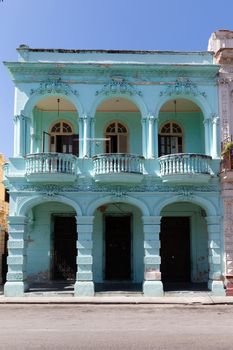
<point x="53" y="87"/>
<point x="49" y="191"/>
<point x="118" y="87"/>
<point x="182" y="86"/>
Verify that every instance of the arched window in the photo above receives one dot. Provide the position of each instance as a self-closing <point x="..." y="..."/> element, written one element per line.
<point x="170" y="138"/>
<point x="117" y="134"/>
<point x="62" y="138"/>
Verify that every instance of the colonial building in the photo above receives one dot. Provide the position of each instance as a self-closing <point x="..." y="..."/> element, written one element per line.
<point x="115" y="170"/>
<point x="221" y="43"/>
<point x="4" y="206"/>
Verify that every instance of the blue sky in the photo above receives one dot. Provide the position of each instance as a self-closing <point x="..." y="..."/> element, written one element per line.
<point x="180" y="25"/>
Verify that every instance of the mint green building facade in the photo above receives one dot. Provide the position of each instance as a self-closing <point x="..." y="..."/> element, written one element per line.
<point x="114" y="176"/>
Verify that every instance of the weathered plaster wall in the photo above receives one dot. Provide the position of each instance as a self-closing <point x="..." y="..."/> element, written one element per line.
<point x="198" y="237"/>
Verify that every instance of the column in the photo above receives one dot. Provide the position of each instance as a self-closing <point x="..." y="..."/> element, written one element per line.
<point x="156" y="133"/>
<point x="84" y="136"/>
<point x="92" y="136"/>
<point x="215" y="282"/>
<point x="80" y="127"/>
<point x="215" y="138"/>
<point x="144" y="137"/>
<point x="16" y="284"/>
<point x="207" y="136"/>
<point x="152" y="285"/>
<point x="150" y="145"/>
<point x="84" y="285"/>
<point x="17" y="136"/>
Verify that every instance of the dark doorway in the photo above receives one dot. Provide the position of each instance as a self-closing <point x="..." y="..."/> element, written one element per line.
<point x="117" y="248"/>
<point x="175" y="249"/>
<point x="64" y="248"/>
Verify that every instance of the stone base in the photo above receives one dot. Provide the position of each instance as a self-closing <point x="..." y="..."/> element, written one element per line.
<point x="84" y="289"/>
<point x="15" y="289"/>
<point x="153" y="289"/>
<point x="216" y="287"/>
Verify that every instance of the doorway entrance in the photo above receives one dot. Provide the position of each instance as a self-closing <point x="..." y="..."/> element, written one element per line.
<point x="175" y="249"/>
<point x="118" y="248"/>
<point x="64" y="248"/>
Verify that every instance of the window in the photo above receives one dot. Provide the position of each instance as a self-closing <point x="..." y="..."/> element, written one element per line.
<point x="170" y="139"/>
<point x="117" y="134"/>
<point x="63" y="139"/>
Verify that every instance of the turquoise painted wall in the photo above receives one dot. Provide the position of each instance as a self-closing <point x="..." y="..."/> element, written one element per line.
<point x="198" y="237"/>
<point x="193" y="128"/>
<point x="137" y="249"/>
<point x="133" y="122"/>
<point x="43" y="120"/>
<point x="40" y="240"/>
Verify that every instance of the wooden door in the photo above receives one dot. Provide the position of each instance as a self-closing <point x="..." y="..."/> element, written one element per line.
<point x="117" y="247"/>
<point x="175" y="249"/>
<point x="64" y="244"/>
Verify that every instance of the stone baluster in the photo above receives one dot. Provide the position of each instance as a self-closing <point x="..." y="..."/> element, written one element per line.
<point x="16" y="283"/>
<point x="152" y="285"/>
<point x="84" y="285"/>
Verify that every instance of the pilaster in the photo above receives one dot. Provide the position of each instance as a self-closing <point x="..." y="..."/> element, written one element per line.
<point x="16" y="283"/>
<point x="215" y="282"/>
<point x="84" y="285"/>
<point x="152" y="285"/>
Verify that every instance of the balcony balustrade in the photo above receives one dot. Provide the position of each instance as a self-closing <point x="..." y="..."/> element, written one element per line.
<point x="51" y="167"/>
<point x="118" y="167"/>
<point x="185" y="167"/>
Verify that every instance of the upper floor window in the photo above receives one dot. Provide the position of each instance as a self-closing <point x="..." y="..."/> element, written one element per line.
<point x="63" y="139"/>
<point x="117" y="133"/>
<point x="170" y="138"/>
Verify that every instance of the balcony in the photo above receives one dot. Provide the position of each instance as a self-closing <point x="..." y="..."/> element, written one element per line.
<point x="51" y="167"/>
<point x="185" y="168"/>
<point x="118" y="168"/>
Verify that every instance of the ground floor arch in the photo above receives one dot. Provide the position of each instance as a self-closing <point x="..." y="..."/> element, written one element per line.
<point x="118" y="243"/>
<point x="184" y="244"/>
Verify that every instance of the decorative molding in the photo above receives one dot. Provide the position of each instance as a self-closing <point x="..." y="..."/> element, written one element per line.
<point x="148" y="186"/>
<point x="185" y="193"/>
<point x="182" y="86"/>
<point x="53" y="87"/>
<point x="118" y="87"/>
<point x="118" y="192"/>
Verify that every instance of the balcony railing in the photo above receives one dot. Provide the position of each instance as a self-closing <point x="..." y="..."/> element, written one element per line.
<point x="50" y="163"/>
<point x="116" y="163"/>
<point x="185" y="164"/>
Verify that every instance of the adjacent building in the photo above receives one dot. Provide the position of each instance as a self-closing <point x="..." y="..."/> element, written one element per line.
<point x="114" y="177"/>
<point x="4" y="207"/>
<point x="221" y="43"/>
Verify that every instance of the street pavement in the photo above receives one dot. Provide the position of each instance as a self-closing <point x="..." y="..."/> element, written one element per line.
<point x="117" y="326"/>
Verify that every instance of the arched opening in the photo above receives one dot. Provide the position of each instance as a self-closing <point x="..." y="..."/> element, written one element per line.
<point x="118" y="247"/>
<point x="116" y="135"/>
<point x="114" y="118"/>
<point x="181" y="128"/>
<point x="170" y="138"/>
<point x="184" y="247"/>
<point x="55" y="125"/>
<point x="51" y="249"/>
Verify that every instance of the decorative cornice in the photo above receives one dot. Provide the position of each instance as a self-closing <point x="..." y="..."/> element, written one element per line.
<point x="116" y="87"/>
<point x="182" y="86"/>
<point x="53" y="87"/>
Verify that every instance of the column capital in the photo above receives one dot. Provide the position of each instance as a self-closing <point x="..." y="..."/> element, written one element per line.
<point x="151" y="220"/>
<point x="85" y="220"/>
<point x="18" y="220"/>
<point x="213" y="220"/>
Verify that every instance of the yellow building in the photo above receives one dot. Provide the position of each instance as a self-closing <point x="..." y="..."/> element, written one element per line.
<point x="4" y="206"/>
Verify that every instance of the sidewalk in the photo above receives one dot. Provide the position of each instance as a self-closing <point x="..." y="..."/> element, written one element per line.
<point x="66" y="296"/>
<point x="181" y="299"/>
